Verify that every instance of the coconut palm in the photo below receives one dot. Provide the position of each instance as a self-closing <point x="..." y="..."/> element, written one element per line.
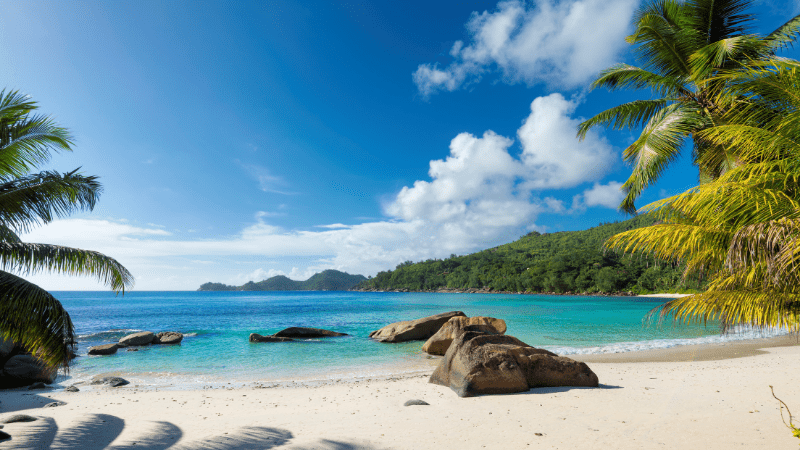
<point x="29" y="315"/>
<point x="743" y="229"/>
<point x="682" y="47"/>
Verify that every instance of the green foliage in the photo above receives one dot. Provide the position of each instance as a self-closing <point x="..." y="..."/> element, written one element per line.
<point x="570" y="261"/>
<point x="327" y="280"/>
<point x="683" y="47"/>
<point x="29" y="315"/>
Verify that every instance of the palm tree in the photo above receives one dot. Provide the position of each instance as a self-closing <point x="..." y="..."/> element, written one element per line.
<point x="743" y="229"/>
<point x="30" y="316"/>
<point x="682" y="45"/>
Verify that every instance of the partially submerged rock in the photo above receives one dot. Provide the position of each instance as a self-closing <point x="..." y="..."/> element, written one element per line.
<point x="307" y="333"/>
<point x="107" y="349"/>
<point x="135" y="339"/>
<point x="440" y="342"/>
<point x="414" y="330"/>
<point x="481" y="363"/>
<point x="255" y="337"/>
<point x="168" y="338"/>
<point x="110" y="381"/>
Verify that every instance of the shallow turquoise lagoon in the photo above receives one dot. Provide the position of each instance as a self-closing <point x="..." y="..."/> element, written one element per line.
<point x="217" y="325"/>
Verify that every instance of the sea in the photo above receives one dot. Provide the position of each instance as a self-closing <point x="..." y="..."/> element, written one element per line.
<point x="215" y="351"/>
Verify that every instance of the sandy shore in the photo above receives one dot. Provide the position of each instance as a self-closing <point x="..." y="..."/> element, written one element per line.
<point x="709" y="397"/>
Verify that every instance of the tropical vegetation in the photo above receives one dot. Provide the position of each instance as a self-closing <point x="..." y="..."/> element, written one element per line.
<point x="327" y="280"/>
<point x="30" y="316"/>
<point x="682" y="47"/>
<point x="563" y="262"/>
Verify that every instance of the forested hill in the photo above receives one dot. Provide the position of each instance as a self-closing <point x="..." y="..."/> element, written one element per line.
<point x="563" y="262"/>
<point x="327" y="280"/>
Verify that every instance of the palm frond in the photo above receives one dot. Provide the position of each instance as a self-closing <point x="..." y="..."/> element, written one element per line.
<point x="656" y="147"/>
<point x="627" y="115"/>
<point x="624" y="76"/>
<point x="27" y="258"/>
<point x="34" y="319"/>
<point x="39" y="198"/>
<point x="27" y="143"/>
<point x="785" y="35"/>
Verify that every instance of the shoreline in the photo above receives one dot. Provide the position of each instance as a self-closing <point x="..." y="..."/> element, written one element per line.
<point x="710" y="404"/>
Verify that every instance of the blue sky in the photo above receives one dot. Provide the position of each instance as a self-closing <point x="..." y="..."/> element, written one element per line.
<point x="240" y="140"/>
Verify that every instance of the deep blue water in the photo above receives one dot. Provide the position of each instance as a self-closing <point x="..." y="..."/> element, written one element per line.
<point x="217" y="325"/>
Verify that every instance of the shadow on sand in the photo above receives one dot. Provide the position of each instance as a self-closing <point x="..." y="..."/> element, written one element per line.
<point x="98" y="431"/>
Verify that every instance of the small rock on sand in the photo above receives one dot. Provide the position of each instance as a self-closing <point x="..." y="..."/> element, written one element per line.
<point x="72" y="389"/>
<point x="4" y="436"/>
<point x="54" y="404"/>
<point x="19" y="418"/>
<point x="416" y="402"/>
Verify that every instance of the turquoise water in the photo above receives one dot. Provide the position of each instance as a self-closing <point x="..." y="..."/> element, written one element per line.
<point x="217" y="326"/>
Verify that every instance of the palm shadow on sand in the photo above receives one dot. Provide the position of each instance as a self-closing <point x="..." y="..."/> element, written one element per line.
<point x="98" y="431"/>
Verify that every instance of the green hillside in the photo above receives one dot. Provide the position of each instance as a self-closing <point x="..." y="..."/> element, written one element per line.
<point x="327" y="280"/>
<point x="563" y="262"/>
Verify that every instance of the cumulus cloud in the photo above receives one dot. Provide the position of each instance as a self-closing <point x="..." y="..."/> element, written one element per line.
<point x="484" y="192"/>
<point x="608" y="195"/>
<point x="561" y="43"/>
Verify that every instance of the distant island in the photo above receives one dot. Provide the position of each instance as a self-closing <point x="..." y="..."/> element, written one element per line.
<point x="327" y="280"/>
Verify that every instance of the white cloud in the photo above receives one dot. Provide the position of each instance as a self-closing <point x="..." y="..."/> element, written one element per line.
<point x="267" y="182"/>
<point x="561" y="43"/>
<point x="485" y="192"/>
<point x="608" y="195"/>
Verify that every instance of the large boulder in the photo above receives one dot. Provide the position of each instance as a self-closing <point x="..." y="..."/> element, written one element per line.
<point x="482" y="363"/>
<point x="440" y="342"/>
<point x="22" y="370"/>
<point x="6" y="347"/>
<point x="307" y="333"/>
<point x="168" y="338"/>
<point x="107" y="349"/>
<point x="414" y="330"/>
<point x="255" y="337"/>
<point x="136" y="339"/>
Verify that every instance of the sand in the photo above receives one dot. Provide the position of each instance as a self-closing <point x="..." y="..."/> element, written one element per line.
<point x="659" y="399"/>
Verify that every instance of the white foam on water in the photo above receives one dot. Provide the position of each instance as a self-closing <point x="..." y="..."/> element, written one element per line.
<point x="738" y="334"/>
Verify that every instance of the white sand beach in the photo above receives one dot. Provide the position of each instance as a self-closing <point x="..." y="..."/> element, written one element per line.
<point x="709" y="397"/>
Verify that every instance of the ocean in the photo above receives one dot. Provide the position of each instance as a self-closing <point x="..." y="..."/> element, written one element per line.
<point x="216" y="351"/>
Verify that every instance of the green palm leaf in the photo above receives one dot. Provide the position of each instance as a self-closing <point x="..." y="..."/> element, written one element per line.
<point x="30" y="258"/>
<point x="33" y="318"/>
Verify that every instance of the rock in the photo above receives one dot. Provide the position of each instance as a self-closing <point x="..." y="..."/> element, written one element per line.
<point x="255" y="337"/>
<point x="168" y="338"/>
<point x="37" y="385"/>
<point x="136" y="339"/>
<point x="414" y="330"/>
<point x="440" y="342"/>
<point x="6" y="347"/>
<point x="107" y="349"/>
<point x="54" y="404"/>
<point x="22" y="370"/>
<point x="4" y="436"/>
<point x="132" y="349"/>
<point x="306" y="333"/>
<point x="111" y="381"/>
<point x="481" y="363"/>
<point x="415" y="402"/>
<point x="72" y="389"/>
<point x="20" y="418"/>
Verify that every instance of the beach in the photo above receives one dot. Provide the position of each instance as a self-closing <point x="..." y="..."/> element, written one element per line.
<point x="678" y="398"/>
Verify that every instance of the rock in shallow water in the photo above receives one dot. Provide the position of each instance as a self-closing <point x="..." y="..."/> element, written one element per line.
<point x="107" y="349"/>
<point x="480" y="363"/>
<point x="307" y="333"/>
<point x="255" y="337"/>
<point x="111" y="381"/>
<point x="136" y="339"/>
<point x="413" y="330"/>
<point x="168" y="338"/>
